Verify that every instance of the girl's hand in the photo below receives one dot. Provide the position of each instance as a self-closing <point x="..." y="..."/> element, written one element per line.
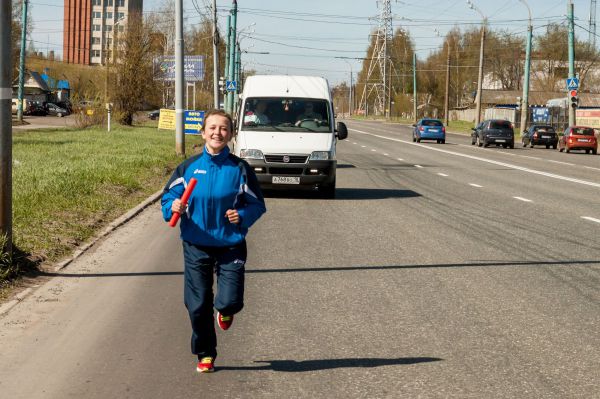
<point x="233" y="216"/>
<point x="177" y="206"/>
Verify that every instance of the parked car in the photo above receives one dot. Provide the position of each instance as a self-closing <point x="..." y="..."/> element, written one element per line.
<point x="540" y="135"/>
<point x="429" y="129"/>
<point x="55" y="110"/>
<point x="494" y="131"/>
<point x="578" y="138"/>
<point x="154" y="114"/>
<point x="36" y="108"/>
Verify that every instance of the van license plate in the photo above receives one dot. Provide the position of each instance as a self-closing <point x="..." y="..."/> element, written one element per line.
<point x="500" y="141"/>
<point x="545" y="137"/>
<point x="285" y="180"/>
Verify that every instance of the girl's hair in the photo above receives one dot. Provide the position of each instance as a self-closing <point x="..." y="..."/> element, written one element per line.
<point x="218" y="112"/>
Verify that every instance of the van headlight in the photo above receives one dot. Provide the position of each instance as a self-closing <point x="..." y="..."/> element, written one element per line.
<point x="320" y="155"/>
<point x="251" y="154"/>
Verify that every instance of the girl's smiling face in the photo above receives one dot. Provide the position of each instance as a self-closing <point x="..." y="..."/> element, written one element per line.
<point x="216" y="133"/>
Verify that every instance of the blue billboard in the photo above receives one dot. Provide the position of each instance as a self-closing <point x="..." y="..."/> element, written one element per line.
<point x="193" y="68"/>
<point x="193" y="121"/>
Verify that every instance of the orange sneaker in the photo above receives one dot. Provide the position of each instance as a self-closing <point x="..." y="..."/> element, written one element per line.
<point x="206" y="365"/>
<point x="224" y="322"/>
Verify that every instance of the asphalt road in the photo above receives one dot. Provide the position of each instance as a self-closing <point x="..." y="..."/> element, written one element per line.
<point x="439" y="271"/>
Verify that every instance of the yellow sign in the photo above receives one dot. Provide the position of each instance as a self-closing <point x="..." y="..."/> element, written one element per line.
<point x="166" y="119"/>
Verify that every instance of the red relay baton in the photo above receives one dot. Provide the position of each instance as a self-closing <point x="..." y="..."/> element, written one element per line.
<point x="184" y="200"/>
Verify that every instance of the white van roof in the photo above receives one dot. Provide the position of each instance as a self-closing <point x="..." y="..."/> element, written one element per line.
<point x="286" y="86"/>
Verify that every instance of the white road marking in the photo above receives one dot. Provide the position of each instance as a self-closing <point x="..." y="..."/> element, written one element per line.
<point x="354" y="143"/>
<point x="591" y="167"/>
<point x="363" y="146"/>
<point x="527" y="156"/>
<point x="523" y="199"/>
<point x="476" y="158"/>
<point x="373" y="149"/>
<point x="442" y="174"/>
<point x="400" y="159"/>
<point x="418" y="166"/>
<point x="591" y="219"/>
<point x="561" y="162"/>
<point x="387" y="155"/>
<point x="475" y="185"/>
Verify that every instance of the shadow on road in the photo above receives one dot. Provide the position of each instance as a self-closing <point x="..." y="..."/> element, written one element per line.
<point x="326" y="364"/>
<point x="345" y="194"/>
<point x="343" y="268"/>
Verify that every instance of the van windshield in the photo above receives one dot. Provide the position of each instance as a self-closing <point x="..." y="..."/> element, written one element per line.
<point x="286" y="114"/>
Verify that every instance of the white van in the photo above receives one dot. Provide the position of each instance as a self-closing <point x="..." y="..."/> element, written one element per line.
<point x="286" y="131"/>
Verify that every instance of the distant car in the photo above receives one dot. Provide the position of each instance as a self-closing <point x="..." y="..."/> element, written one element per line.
<point x="494" y="131"/>
<point x="55" y="110"/>
<point x="154" y="114"/>
<point x="429" y="129"/>
<point x="36" y="108"/>
<point x="540" y="135"/>
<point x="578" y="138"/>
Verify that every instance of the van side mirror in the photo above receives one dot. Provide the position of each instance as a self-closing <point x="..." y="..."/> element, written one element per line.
<point x="341" y="131"/>
<point x="414" y="125"/>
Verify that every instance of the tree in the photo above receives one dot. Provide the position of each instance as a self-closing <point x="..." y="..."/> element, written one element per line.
<point x="133" y="69"/>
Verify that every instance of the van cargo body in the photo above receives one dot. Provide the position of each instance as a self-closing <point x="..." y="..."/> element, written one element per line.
<point x="286" y="132"/>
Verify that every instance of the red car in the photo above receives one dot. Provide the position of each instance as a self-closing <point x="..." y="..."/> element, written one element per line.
<point x="578" y="138"/>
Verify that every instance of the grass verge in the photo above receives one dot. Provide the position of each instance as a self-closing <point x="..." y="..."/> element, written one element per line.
<point x="69" y="184"/>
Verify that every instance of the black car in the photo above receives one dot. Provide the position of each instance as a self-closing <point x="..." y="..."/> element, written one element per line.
<point x="35" y="108"/>
<point x="494" y="131"/>
<point x="153" y="115"/>
<point x="55" y="110"/>
<point x="540" y="135"/>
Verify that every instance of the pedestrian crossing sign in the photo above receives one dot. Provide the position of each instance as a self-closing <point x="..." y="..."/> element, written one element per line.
<point x="230" y="85"/>
<point x="572" y="84"/>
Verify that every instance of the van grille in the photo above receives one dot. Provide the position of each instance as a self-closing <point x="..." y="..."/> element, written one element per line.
<point x="279" y="158"/>
<point x="286" y="171"/>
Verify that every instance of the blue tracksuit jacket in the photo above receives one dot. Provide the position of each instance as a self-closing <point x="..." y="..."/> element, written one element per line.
<point x="224" y="182"/>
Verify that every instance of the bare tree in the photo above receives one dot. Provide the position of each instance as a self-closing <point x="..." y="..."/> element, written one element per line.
<point x="133" y="69"/>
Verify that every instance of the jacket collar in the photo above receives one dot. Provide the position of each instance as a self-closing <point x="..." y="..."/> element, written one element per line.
<point x="220" y="157"/>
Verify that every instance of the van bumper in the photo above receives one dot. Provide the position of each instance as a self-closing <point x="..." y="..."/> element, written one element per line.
<point x="311" y="175"/>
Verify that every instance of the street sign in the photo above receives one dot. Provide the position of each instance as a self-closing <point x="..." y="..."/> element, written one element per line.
<point x="166" y="120"/>
<point x="572" y="83"/>
<point x="230" y="85"/>
<point x="192" y="121"/>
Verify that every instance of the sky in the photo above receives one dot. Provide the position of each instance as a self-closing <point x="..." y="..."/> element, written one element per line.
<point x="308" y="37"/>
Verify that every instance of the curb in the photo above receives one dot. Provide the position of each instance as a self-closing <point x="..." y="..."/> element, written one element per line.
<point x="84" y="248"/>
<point x="110" y="228"/>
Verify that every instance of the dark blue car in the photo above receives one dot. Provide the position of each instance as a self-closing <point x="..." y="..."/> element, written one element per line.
<point x="429" y="129"/>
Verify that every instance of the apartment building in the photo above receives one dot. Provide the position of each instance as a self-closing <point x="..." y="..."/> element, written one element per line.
<point x="90" y="26"/>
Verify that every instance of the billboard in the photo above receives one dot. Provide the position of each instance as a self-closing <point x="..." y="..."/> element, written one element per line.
<point x="193" y="68"/>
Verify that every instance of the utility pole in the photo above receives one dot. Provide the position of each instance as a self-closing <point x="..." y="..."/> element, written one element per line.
<point x="179" y="79"/>
<point x="226" y="69"/>
<point x="447" y="96"/>
<point x="570" y="16"/>
<point x="236" y="76"/>
<point x="22" y="61"/>
<point x="592" y="29"/>
<point x="480" y="75"/>
<point x="350" y="103"/>
<point x="525" y="98"/>
<point x="231" y="49"/>
<point x="415" y="86"/>
<point x="6" y="123"/>
<point x="215" y="57"/>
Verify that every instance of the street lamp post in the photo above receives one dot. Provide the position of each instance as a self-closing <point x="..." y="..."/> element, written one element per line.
<point x="350" y="96"/>
<point x="480" y="75"/>
<point x="525" y="100"/>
